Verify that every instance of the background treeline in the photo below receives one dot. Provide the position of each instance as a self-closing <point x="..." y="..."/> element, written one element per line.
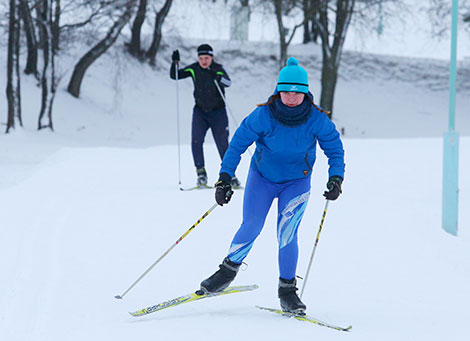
<point x="41" y="33"/>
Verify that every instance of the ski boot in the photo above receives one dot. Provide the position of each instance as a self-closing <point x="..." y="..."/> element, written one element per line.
<point x="201" y="177"/>
<point x="221" y="279"/>
<point x="290" y="302"/>
<point x="235" y="183"/>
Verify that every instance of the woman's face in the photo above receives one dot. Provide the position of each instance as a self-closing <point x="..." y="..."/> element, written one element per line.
<point x="292" y="99"/>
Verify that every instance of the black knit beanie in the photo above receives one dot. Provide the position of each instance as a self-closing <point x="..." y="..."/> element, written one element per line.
<point x="205" y="49"/>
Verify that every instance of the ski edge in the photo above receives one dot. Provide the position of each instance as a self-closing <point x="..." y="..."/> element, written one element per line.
<point x="195" y="188"/>
<point x="185" y="189"/>
<point x="190" y="298"/>
<point x="306" y="318"/>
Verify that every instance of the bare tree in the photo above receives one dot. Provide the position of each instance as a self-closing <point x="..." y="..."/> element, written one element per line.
<point x="134" y="46"/>
<point x="31" y="40"/>
<point x="332" y="34"/>
<point x="101" y="47"/>
<point x="310" y="9"/>
<point x="439" y="12"/>
<point x="281" y="8"/>
<point x="55" y="25"/>
<point x="13" y="74"/>
<point x="157" y="32"/>
<point x="48" y="79"/>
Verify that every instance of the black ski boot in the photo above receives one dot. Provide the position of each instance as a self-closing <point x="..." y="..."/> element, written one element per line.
<point x="201" y="176"/>
<point x="221" y="279"/>
<point x="290" y="302"/>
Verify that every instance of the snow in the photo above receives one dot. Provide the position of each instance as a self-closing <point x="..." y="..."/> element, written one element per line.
<point x="88" y="208"/>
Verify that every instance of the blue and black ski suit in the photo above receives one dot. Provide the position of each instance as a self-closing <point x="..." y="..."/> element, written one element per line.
<point x="209" y="110"/>
<point x="280" y="168"/>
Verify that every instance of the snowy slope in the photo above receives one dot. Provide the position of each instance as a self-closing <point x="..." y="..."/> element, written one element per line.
<point x="88" y="208"/>
<point x="89" y="221"/>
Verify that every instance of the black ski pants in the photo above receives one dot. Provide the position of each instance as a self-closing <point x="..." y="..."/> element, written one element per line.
<point x="217" y="120"/>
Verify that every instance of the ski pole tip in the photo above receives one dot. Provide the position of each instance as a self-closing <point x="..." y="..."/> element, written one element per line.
<point x="118" y="297"/>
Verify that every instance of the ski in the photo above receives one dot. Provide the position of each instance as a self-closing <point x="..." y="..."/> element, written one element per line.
<point x="191" y="298"/>
<point x="196" y="187"/>
<point x="306" y="318"/>
<point x="205" y="187"/>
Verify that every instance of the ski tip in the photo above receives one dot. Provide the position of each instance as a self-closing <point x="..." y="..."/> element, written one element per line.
<point x="118" y="297"/>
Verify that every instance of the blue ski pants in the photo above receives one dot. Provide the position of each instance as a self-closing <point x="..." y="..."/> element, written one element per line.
<point x="259" y="195"/>
<point x="217" y="120"/>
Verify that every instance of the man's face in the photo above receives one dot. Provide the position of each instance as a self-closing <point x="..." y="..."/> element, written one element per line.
<point x="205" y="60"/>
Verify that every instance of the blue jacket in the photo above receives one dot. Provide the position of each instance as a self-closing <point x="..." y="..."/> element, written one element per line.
<point x="285" y="153"/>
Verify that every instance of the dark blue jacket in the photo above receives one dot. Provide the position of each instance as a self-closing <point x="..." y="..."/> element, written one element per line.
<point x="285" y="153"/>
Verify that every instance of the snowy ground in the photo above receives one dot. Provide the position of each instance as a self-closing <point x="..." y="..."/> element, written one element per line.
<point x="88" y="208"/>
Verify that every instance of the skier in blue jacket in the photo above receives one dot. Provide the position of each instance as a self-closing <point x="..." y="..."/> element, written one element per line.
<point x="286" y="130"/>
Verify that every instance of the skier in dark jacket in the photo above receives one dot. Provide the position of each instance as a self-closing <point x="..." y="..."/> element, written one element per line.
<point x="209" y="110"/>
<point x="286" y="130"/>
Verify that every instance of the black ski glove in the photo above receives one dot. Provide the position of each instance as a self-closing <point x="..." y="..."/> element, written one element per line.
<point x="215" y="75"/>
<point x="223" y="189"/>
<point x="175" y="57"/>
<point x="334" y="188"/>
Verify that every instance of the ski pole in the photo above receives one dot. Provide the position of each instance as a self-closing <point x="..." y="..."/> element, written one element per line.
<point x="314" y="247"/>
<point x="178" y="124"/>
<point x="167" y="251"/>
<point x="228" y="109"/>
<point x="225" y="101"/>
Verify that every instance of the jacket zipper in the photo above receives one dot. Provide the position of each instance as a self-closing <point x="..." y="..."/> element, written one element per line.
<point x="306" y="162"/>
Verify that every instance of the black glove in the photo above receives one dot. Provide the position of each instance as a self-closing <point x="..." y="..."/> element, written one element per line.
<point x="223" y="189"/>
<point x="215" y="75"/>
<point x="175" y="57"/>
<point x="334" y="188"/>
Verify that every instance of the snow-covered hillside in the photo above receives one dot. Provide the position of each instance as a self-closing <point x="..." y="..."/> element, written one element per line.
<point x="88" y="221"/>
<point x="88" y="208"/>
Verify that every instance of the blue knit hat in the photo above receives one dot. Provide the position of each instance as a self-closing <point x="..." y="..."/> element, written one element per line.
<point x="293" y="78"/>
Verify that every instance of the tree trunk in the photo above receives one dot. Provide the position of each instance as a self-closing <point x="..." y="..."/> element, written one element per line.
<point x="157" y="32"/>
<point x="47" y="75"/>
<point x="96" y="51"/>
<point x="332" y="53"/>
<point x="315" y="31"/>
<point x="134" y="46"/>
<point x="55" y="27"/>
<point x="240" y="21"/>
<point x="17" y="68"/>
<point x="12" y="89"/>
<point x="282" y="33"/>
<point x="329" y="77"/>
<point x="306" y="6"/>
<point x="31" y="41"/>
